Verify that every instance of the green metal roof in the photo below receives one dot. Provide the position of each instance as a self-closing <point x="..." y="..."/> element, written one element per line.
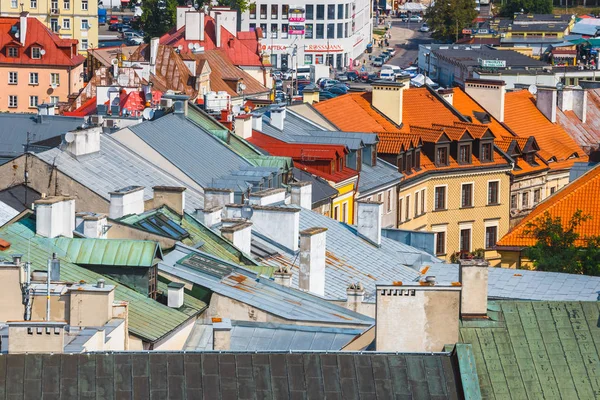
<point x="537" y="350"/>
<point x="191" y="305"/>
<point x="113" y="252"/>
<point x="284" y="163"/>
<point x="148" y="319"/>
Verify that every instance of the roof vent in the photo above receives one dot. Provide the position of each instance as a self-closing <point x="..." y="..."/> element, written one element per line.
<point x="114" y="110"/>
<point x="100" y="284"/>
<point x="102" y="109"/>
<point x="178" y="107"/>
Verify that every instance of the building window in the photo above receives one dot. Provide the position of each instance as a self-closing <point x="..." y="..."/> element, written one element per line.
<point x="440" y="243"/>
<point x="252" y="10"/>
<point x="491" y="236"/>
<point x="380" y="197"/>
<point x="284" y="31"/>
<point x="389" y="200"/>
<point x="84" y="44"/>
<point x="33" y="78"/>
<point x="33" y="4"/>
<point x="13" y="78"/>
<point x="308" y="59"/>
<point x="467" y="195"/>
<point x="263" y="28"/>
<point x="537" y="194"/>
<point x="423" y="197"/>
<point x="85" y="25"/>
<point x="308" y="31"/>
<point x="320" y="32"/>
<point x="54" y="25"/>
<point x="486" y="152"/>
<point x="84" y="5"/>
<point x="340" y="13"/>
<point x="320" y="12"/>
<point x="274" y="29"/>
<point x="274" y="60"/>
<point x="66" y="23"/>
<point x="525" y="200"/>
<point x="67" y="4"/>
<point x="493" y="192"/>
<point x="274" y="11"/>
<point x="464" y="154"/>
<point x="263" y="11"/>
<point x="36" y="52"/>
<point x="12" y="101"/>
<point x="440" y="198"/>
<point x="346" y="30"/>
<point x="310" y="11"/>
<point x="54" y="100"/>
<point x="513" y="201"/>
<point x="33" y="101"/>
<point x="13" y="52"/>
<point x="441" y="156"/>
<point x="345" y="212"/>
<point x="13" y="4"/>
<point x="336" y="211"/>
<point x="330" y="31"/>
<point x="54" y="7"/>
<point x="530" y="158"/>
<point x="400" y="209"/>
<point x="285" y="10"/>
<point x="407" y="211"/>
<point x="465" y="240"/>
<point x="552" y="190"/>
<point x="347" y="11"/>
<point x="319" y="59"/>
<point x="54" y="79"/>
<point x="416" y="204"/>
<point x="331" y="11"/>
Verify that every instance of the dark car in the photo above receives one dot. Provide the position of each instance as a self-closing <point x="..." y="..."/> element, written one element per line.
<point x="371" y="78"/>
<point x="126" y="20"/>
<point x="115" y="27"/>
<point x="325" y="95"/>
<point x="125" y="28"/>
<point x="338" y="89"/>
<point x="352" y="76"/>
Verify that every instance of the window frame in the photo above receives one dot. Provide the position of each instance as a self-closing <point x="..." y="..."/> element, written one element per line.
<point x="388" y="198"/>
<point x="440" y="229"/>
<point x="446" y="148"/>
<point x="34" y="78"/>
<point x="10" y="76"/>
<point x="537" y="193"/>
<point x="435" y="204"/>
<point x="489" y="185"/>
<point x="16" y="101"/>
<point x="260" y="13"/>
<point x="11" y="50"/>
<point x="85" y="24"/>
<point x="407" y="209"/>
<point x="525" y="199"/>
<point x="84" y="5"/>
<point x="472" y="195"/>
<point x="487" y="226"/>
<point x="467" y="157"/>
<point x="33" y="52"/>
<point x="320" y="7"/>
<point x="276" y="8"/>
<point x="54" y="81"/>
<point x="310" y="15"/>
<point x="461" y="228"/>
<point x="32" y="3"/>
<point x="37" y="101"/>
<point x="482" y="153"/>
<point x="66" y="23"/>
<point x="417" y="203"/>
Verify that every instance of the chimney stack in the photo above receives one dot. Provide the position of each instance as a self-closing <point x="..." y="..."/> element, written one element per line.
<point x="570" y="99"/>
<point x="355" y="296"/>
<point x="473" y="276"/>
<point x="175" y="294"/>
<point x="369" y="217"/>
<point x="126" y="201"/>
<point x="546" y="99"/>
<point x="23" y="27"/>
<point x="257" y="121"/>
<point x="278" y="118"/>
<point x="280" y="224"/>
<point x="83" y="142"/>
<point x="388" y="98"/>
<point x="283" y="276"/>
<point x="302" y="194"/>
<point x="447" y="94"/>
<point x="91" y="225"/>
<point x="154" y="42"/>
<point x="313" y="243"/>
<point x="210" y="216"/>
<point x="240" y="234"/>
<point x="170" y="196"/>
<point x="429" y="309"/>
<point x="194" y="26"/>
<point x="243" y="126"/>
<point x="218" y="26"/>
<point x="221" y="334"/>
<point x="267" y="197"/>
<point x="181" y="11"/>
<point x="215" y="197"/>
<point x="310" y="94"/>
<point x="489" y="94"/>
<point x="55" y="216"/>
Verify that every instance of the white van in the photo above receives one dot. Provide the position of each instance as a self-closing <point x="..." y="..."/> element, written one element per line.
<point x="387" y="75"/>
<point x="394" y="68"/>
<point x="303" y="72"/>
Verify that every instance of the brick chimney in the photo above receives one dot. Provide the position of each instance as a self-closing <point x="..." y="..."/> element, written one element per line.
<point x="489" y="94"/>
<point x="313" y="245"/>
<point x="215" y="197"/>
<point x="170" y="196"/>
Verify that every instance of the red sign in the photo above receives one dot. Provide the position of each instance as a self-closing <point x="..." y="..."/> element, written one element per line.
<point x="323" y="48"/>
<point x="275" y="47"/>
<point x="296" y="31"/>
<point x="297" y="19"/>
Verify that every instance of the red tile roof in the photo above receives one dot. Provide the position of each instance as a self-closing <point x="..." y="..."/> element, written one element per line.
<point x="239" y="51"/>
<point x="58" y="52"/>
<point x="581" y="194"/>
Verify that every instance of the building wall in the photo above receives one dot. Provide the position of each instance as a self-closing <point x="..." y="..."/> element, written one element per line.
<point x="11" y="307"/>
<point x="389" y="198"/>
<point x="345" y="197"/>
<point x="59" y="308"/>
<point x="75" y="14"/>
<point x="70" y="81"/>
<point x="177" y="341"/>
<point x="454" y="217"/>
<point x="23" y="342"/>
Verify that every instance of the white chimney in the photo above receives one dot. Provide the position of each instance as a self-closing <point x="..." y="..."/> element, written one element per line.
<point x="194" y="25"/>
<point x="240" y="234"/>
<point x="473" y="276"/>
<point x="369" y="217"/>
<point x="170" y="196"/>
<point x="218" y="26"/>
<point x="575" y="100"/>
<point x="388" y="98"/>
<point x="210" y="216"/>
<point x="546" y="99"/>
<point x="257" y="121"/>
<point x="83" y="142"/>
<point x="447" y="94"/>
<point x="302" y="194"/>
<point x="243" y="126"/>
<point x="126" y="201"/>
<point x="221" y="334"/>
<point x="91" y="225"/>
<point x="278" y="118"/>
<point x="283" y="276"/>
<point x="154" y="42"/>
<point x="313" y="243"/>
<point x="355" y="296"/>
<point x="23" y="27"/>
<point x="181" y="11"/>
<point x="431" y="310"/>
<point x="215" y="197"/>
<point x="489" y="94"/>
<point x="280" y="224"/>
<point x="267" y="197"/>
<point x="55" y="216"/>
<point x="175" y="294"/>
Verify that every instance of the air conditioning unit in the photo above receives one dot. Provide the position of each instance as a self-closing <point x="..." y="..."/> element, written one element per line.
<point x="111" y="123"/>
<point x="97" y="119"/>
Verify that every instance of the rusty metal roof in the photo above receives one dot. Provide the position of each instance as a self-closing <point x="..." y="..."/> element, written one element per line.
<point x="587" y="134"/>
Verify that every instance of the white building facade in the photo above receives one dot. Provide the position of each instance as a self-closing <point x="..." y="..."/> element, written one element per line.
<point x="308" y="32"/>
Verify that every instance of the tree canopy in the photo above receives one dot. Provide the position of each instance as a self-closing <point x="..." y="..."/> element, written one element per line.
<point x="158" y="17"/>
<point x="511" y="7"/>
<point x="447" y="18"/>
<point x="559" y="247"/>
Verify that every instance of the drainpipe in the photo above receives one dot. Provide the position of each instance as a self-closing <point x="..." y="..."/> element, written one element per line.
<point x="69" y="88"/>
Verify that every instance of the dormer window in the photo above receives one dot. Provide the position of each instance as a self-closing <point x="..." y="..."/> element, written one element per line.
<point x="441" y="156"/>
<point x="417" y="159"/>
<point x="409" y="162"/>
<point x="36" y="53"/>
<point x="400" y="163"/>
<point x="486" y="152"/>
<point x="464" y="154"/>
<point x="13" y="52"/>
<point x="530" y="158"/>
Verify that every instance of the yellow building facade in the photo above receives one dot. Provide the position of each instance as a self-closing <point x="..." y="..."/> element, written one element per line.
<point x="70" y="19"/>
<point x="343" y="205"/>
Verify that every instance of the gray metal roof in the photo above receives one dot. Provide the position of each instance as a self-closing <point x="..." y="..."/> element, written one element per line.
<point x="194" y="151"/>
<point x="381" y="175"/>
<point x="247" y="287"/>
<point x="351" y="143"/>
<point x="6" y="213"/>
<point x="321" y="190"/>
<point x="292" y="125"/>
<point x="351" y="259"/>
<point x="367" y="138"/>
<point x="264" y="336"/>
<point x="114" y="167"/>
<point x="520" y="284"/>
<point x="15" y="127"/>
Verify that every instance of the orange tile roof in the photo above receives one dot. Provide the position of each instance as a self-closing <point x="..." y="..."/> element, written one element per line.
<point x="420" y="107"/>
<point x="477" y="131"/>
<point x="392" y="143"/>
<point x="427" y="134"/>
<point x="453" y="132"/>
<point x="581" y="194"/>
<point x="523" y="167"/>
<point x="466" y="106"/>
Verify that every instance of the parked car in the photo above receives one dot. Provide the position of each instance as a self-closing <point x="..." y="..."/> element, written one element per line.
<point x="135" y="41"/>
<point x="370" y="78"/>
<point x="277" y="74"/>
<point x="386" y="56"/>
<point x="287" y="74"/>
<point x="342" y="77"/>
<point x="424" y="28"/>
<point x="378" y="62"/>
<point x="412" y="71"/>
<point x="125" y="28"/>
<point x="391" y="50"/>
<point x="338" y="89"/>
<point x="325" y="95"/>
<point x="131" y="34"/>
<point x="416" y="18"/>
<point x="403" y="17"/>
<point x="126" y="20"/>
<point x="352" y="76"/>
<point x="387" y="75"/>
<point x="114" y="27"/>
<point x="113" y="20"/>
<point x="279" y="96"/>
<point x="327" y="83"/>
<point x="278" y="84"/>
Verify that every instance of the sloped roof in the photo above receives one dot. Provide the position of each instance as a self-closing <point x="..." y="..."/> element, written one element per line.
<point x="110" y="252"/>
<point x="7" y="213"/>
<point x="321" y="190"/>
<point x="536" y="350"/>
<point x="587" y="135"/>
<point x="59" y="52"/>
<point x="581" y="194"/>
<point x="468" y="107"/>
<point x="114" y="167"/>
<point x="230" y="375"/>
<point x="382" y="174"/>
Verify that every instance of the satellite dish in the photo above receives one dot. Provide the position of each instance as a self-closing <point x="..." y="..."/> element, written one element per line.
<point x="114" y="61"/>
<point x="42" y="52"/>
<point x="560" y="86"/>
<point x="123" y="80"/>
<point x="126" y="112"/>
<point x="148" y="113"/>
<point x="247" y="211"/>
<point x="69" y="137"/>
<point x="190" y="46"/>
<point x="532" y="89"/>
<point x="180" y="47"/>
<point x="242" y="87"/>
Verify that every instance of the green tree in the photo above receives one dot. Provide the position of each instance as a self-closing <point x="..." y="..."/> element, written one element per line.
<point x="240" y="5"/>
<point x="158" y="17"/>
<point x="447" y="18"/>
<point x="558" y="247"/>
<point x="511" y="7"/>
